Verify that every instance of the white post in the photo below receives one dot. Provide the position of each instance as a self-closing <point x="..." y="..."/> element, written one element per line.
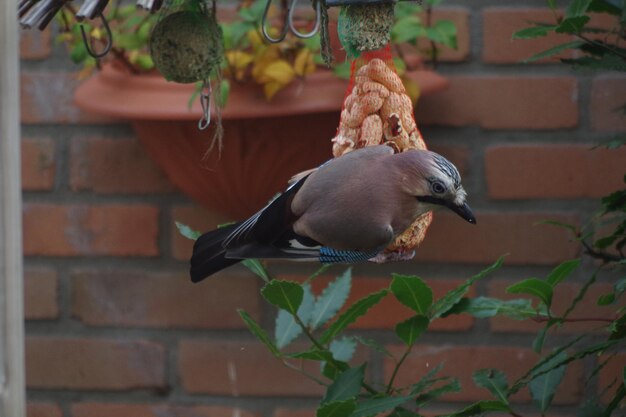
<point x="11" y="288"/>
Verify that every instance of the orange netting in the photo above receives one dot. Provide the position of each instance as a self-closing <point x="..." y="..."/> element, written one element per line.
<point x="377" y="110"/>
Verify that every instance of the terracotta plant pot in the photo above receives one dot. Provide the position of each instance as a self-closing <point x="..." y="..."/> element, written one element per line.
<point x="264" y="143"/>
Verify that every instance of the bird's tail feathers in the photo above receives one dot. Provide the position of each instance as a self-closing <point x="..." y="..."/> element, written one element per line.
<point x="209" y="254"/>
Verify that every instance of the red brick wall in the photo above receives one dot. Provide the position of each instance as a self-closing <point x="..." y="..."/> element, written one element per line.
<point x="114" y="327"/>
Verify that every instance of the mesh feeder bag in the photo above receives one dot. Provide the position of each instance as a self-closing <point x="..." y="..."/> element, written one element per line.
<point x="377" y="110"/>
<point x="365" y="27"/>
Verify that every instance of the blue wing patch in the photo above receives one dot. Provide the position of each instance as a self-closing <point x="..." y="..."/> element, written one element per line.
<point x="333" y="256"/>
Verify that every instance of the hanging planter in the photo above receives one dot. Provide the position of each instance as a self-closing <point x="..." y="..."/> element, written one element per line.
<point x="265" y="143"/>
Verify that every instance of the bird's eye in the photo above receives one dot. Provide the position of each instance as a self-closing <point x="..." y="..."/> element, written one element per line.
<point x="437" y="187"/>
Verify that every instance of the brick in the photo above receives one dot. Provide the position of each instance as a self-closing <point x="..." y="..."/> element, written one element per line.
<point x="449" y="239"/>
<point x="462" y="361"/>
<point x="239" y="368"/>
<point x="503" y="102"/>
<point x="389" y="311"/>
<point x="43" y="410"/>
<point x="458" y="155"/>
<point x="607" y="96"/>
<point x="35" y="44"/>
<point x="48" y="98"/>
<point x="198" y="219"/>
<point x="38" y="164"/>
<point x="81" y="230"/>
<point x="120" y="165"/>
<point x="553" y="171"/>
<point x="90" y="409"/>
<point x="134" y="298"/>
<point x="40" y="294"/>
<point x="564" y="294"/>
<point x="499" y="24"/>
<point x="94" y="364"/>
<point x="613" y="371"/>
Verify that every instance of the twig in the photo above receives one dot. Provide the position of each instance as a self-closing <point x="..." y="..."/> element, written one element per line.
<point x="603" y="256"/>
<point x="305" y="373"/>
<point x="433" y="46"/>
<point x="397" y="368"/>
<point x="542" y="319"/>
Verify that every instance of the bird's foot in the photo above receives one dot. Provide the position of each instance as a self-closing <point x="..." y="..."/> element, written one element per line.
<point x="383" y="257"/>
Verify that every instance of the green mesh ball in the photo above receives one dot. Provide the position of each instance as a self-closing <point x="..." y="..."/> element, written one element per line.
<point x="365" y="27"/>
<point x="185" y="46"/>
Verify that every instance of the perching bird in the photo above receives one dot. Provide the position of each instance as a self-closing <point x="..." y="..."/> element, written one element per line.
<point x="348" y="210"/>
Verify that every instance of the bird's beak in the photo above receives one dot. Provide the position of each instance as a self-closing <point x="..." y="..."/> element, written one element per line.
<point x="464" y="211"/>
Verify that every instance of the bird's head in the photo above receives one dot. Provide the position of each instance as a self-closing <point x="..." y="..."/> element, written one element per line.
<point x="437" y="183"/>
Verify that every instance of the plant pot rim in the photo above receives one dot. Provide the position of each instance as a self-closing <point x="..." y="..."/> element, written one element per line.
<point x="117" y="93"/>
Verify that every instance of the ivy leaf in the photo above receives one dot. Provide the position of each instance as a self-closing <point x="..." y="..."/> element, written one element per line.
<point x="259" y="333"/>
<point x="554" y="51"/>
<point x="336" y="409"/>
<point x="187" y="231"/>
<point x="543" y="387"/>
<point x="534" y="287"/>
<point x="355" y="311"/>
<point x="480" y="408"/>
<point x="343" y="349"/>
<point x="494" y="381"/>
<point x="562" y="271"/>
<point x="412" y="292"/>
<point x="287" y="330"/>
<point x="444" y="304"/>
<point x="409" y="330"/>
<point x="346" y="386"/>
<point x="286" y="295"/>
<point x="378" y="405"/>
<point x="331" y="300"/>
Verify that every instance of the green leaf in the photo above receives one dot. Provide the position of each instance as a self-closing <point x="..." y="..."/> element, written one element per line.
<point x="331" y="300"/>
<point x="313" y="355"/>
<point x="562" y="271"/>
<point x="494" y="381"/>
<point x="409" y="330"/>
<point x="343" y="70"/>
<point x="607" y="62"/>
<point x="534" y="287"/>
<point x="407" y="28"/>
<point x="444" y="304"/>
<point x="336" y="409"/>
<point x="534" y="32"/>
<point x="187" y="231"/>
<point x="287" y="330"/>
<point x="541" y="337"/>
<point x="412" y="292"/>
<point x="577" y="8"/>
<point x="255" y="266"/>
<point x="554" y="51"/>
<point x="606" y="299"/>
<point x="346" y="386"/>
<point x="286" y="295"/>
<point x="484" y="307"/>
<point x="343" y="349"/>
<point x="427" y="380"/>
<point x="453" y="386"/>
<point x="224" y="93"/>
<point x="552" y="4"/>
<point x="572" y="25"/>
<point x="259" y="333"/>
<point x="355" y="311"/>
<point x="403" y="412"/>
<point x="543" y="388"/>
<point x="443" y="32"/>
<point x="374" y="345"/>
<point x="378" y="405"/>
<point x="480" y="407"/>
<point x="332" y="368"/>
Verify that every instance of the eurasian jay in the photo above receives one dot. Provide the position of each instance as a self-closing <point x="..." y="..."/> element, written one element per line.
<point x="347" y="210"/>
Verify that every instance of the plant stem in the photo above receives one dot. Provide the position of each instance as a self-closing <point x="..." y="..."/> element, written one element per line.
<point x="603" y="256"/>
<point x="397" y="368"/>
<point x="303" y="372"/>
<point x="433" y="46"/>
<point x="542" y="319"/>
<point x="318" y="345"/>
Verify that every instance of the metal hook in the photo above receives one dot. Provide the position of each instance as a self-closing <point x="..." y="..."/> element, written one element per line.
<point x="205" y="103"/>
<point x="87" y="42"/>
<point x="283" y="33"/>
<point x="318" y="19"/>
